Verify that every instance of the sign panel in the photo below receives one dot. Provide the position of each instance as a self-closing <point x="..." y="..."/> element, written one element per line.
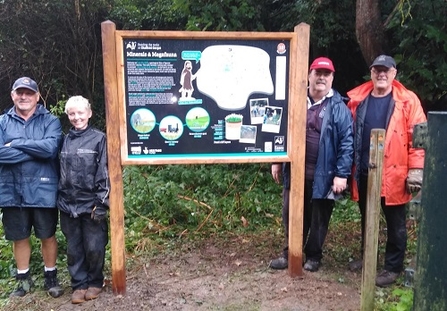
<point x="181" y="97"/>
<point x="205" y="98"/>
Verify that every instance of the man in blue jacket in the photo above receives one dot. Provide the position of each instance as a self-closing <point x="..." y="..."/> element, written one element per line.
<point x="29" y="144"/>
<point x="328" y="161"/>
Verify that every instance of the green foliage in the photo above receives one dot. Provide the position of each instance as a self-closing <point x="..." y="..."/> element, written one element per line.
<point x="224" y="15"/>
<point x="59" y="109"/>
<point x="57" y="43"/>
<point x="8" y="267"/>
<point x="345" y="218"/>
<point x="141" y="14"/>
<point x="346" y="210"/>
<point x="187" y="199"/>
<point x="421" y="48"/>
<point x="165" y="205"/>
<point x="326" y="17"/>
<point x="396" y="299"/>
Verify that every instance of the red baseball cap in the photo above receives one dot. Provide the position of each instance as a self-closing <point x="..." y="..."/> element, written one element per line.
<point x="322" y="63"/>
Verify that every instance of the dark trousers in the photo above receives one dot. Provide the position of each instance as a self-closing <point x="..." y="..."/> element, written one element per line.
<point x="321" y="215"/>
<point x="86" y="242"/>
<point x="395" y="217"/>
<point x="307" y="213"/>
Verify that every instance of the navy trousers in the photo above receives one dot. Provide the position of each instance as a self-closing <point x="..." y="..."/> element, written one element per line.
<point x="307" y="216"/>
<point x="395" y="217"/>
<point x="86" y="243"/>
<point x="321" y="215"/>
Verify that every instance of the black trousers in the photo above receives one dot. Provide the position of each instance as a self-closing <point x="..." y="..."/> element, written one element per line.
<point x="395" y="217"/>
<point x="321" y="215"/>
<point x="86" y="242"/>
<point x="307" y="216"/>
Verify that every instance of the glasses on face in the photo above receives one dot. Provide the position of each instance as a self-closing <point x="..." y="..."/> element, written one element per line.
<point x="378" y="70"/>
<point x="324" y="73"/>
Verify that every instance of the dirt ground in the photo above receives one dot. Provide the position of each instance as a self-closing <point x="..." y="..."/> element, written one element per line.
<point x="230" y="273"/>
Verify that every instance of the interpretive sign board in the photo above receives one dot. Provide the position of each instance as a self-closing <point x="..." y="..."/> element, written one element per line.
<point x="205" y="97"/>
<point x="182" y="97"/>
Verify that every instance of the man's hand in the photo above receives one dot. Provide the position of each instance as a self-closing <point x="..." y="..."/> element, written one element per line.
<point x="276" y="172"/>
<point x="339" y="184"/>
<point x="98" y="214"/>
<point x="414" y="180"/>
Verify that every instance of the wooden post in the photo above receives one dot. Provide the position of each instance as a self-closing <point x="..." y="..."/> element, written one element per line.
<point x="297" y="143"/>
<point x="118" y="154"/>
<point x="114" y="158"/>
<point x="373" y="207"/>
<point x="430" y="285"/>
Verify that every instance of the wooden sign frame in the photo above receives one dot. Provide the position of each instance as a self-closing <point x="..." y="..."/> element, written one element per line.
<point x="118" y="82"/>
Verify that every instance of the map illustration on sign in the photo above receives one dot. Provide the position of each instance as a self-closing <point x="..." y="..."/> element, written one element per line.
<point x="230" y="73"/>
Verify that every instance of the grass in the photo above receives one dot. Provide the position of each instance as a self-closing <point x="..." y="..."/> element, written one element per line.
<point x="172" y="208"/>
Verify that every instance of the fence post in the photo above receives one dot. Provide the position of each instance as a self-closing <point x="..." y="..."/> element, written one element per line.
<point x="373" y="208"/>
<point x="430" y="280"/>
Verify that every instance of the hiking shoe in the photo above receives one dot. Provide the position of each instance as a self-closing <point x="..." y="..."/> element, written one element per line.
<point x="78" y="296"/>
<point x="280" y="263"/>
<point x="312" y="265"/>
<point x="386" y="278"/>
<point x="356" y="265"/>
<point x="92" y="293"/>
<point x="24" y="284"/>
<point x="51" y="284"/>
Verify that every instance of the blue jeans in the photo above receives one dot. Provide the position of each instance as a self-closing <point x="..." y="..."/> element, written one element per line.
<point x="86" y="243"/>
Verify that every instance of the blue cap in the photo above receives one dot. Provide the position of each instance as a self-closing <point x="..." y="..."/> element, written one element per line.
<point x="25" y="83"/>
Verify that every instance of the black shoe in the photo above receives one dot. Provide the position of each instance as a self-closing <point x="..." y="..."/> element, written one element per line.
<point x="386" y="278"/>
<point x="312" y="265"/>
<point x="52" y="284"/>
<point x="24" y="285"/>
<point x="280" y="263"/>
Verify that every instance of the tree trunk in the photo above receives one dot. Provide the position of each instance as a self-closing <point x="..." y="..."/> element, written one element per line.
<point x="369" y="29"/>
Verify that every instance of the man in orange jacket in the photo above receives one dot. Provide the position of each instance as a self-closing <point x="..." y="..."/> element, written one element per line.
<point x="385" y="103"/>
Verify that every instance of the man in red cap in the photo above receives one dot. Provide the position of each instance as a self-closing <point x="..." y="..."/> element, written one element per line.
<point x="329" y="155"/>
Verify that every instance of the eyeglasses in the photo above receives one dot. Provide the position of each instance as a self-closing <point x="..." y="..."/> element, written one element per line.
<point x="325" y="73"/>
<point x="381" y="69"/>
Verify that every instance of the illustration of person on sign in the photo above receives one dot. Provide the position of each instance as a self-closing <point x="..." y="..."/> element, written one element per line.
<point x="186" y="81"/>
